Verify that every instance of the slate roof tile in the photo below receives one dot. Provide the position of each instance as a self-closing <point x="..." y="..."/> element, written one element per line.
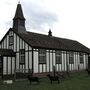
<point x="50" y="42"/>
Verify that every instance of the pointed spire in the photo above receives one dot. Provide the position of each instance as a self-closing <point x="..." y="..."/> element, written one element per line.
<point x="19" y="20"/>
<point x="49" y="33"/>
<point x="19" y="12"/>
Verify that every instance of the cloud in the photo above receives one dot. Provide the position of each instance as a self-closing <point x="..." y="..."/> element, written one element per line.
<point x="38" y="17"/>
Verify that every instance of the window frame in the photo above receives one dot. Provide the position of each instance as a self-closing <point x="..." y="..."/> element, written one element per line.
<point x="58" y="54"/>
<point x="22" y="55"/>
<point x="42" y="55"/>
<point x="11" y="40"/>
<point x="71" y="58"/>
<point x="81" y="57"/>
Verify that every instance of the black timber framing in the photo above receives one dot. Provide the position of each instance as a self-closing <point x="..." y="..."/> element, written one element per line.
<point x="6" y="43"/>
<point x="21" y="47"/>
<point x="67" y="66"/>
<point x="42" y="67"/>
<point x="3" y="44"/>
<point x="32" y="61"/>
<point x="16" y="43"/>
<point x="28" y="57"/>
<point x="52" y="58"/>
<point x="61" y="61"/>
<point x="2" y="66"/>
<point x="11" y="29"/>
<point x="38" y="63"/>
<point x="24" y="55"/>
<point x="46" y="62"/>
<point x="15" y="69"/>
<point x="13" y="40"/>
<point x="75" y="63"/>
<point x="7" y="66"/>
<point x="88" y="62"/>
<point x="66" y="61"/>
<point x="83" y="60"/>
<point x="1" y="73"/>
<point x="64" y="53"/>
<point x="77" y="60"/>
<point x="19" y="54"/>
<point x="27" y="51"/>
<point x="11" y="65"/>
<point x="49" y="60"/>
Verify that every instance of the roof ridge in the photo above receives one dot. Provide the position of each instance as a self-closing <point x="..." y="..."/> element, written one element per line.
<point x="51" y="36"/>
<point x="37" y="40"/>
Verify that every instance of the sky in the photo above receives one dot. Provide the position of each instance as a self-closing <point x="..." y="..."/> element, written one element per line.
<point x="66" y="18"/>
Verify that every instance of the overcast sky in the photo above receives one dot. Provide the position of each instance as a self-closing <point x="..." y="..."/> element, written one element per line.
<point x="66" y="18"/>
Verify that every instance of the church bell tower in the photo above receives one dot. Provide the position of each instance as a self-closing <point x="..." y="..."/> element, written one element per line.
<point x="19" y="20"/>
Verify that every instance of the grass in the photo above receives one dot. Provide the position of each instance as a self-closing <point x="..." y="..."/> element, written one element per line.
<point x="78" y="81"/>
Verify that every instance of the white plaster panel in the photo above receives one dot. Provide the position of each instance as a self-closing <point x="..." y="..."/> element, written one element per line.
<point x="30" y="60"/>
<point x="35" y="62"/>
<point x="51" y="62"/>
<point x="26" y="60"/>
<point x="4" y="65"/>
<point x="9" y="65"/>
<point x="14" y="42"/>
<point x="47" y="58"/>
<point x="17" y="60"/>
<point x="17" y="43"/>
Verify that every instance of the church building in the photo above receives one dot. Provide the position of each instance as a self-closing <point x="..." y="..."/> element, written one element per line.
<point x="21" y="50"/>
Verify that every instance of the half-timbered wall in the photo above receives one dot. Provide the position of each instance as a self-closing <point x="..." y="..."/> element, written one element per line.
<point x="18" y="44"/>
<point x="32" y="58"/>
<point x="8" y="65"/>
<point x="51" y="61"/>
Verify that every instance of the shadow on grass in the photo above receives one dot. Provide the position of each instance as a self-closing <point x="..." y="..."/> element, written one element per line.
<point x="76" y="81"/>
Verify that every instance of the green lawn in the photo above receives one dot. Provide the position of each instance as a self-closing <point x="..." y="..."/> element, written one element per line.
<point x="80" y="81"/>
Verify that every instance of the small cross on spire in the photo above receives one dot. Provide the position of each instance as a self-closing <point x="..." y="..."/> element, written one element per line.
<point x="19" y="2"/>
